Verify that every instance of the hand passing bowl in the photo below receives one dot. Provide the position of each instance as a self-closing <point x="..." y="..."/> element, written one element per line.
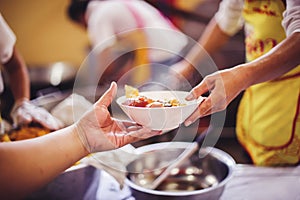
<point x="159" y="110"/>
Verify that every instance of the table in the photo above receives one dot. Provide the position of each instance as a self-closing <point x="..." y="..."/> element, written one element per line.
<point x="263" y="183"/>
<point x="248" y="183"/>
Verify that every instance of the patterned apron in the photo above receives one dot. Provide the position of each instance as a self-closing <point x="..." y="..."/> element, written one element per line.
<point x="268" y="121"/>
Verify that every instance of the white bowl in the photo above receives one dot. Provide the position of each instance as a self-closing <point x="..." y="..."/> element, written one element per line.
<point x="162" y="118"/>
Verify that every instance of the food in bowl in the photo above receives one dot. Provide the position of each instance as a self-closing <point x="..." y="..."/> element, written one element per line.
<point x="133" y="98"/>
<point x="203" y="176"/>
<point x="143" y="101"/>
<point x="165" y="111"/>
<point x="130" y="91"/>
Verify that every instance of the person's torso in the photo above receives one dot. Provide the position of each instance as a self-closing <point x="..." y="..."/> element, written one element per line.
<point x="268" y="116"/>
<point x="263" y="28"/>
<point x="128" y="18"/>
<point x="261" y="36"/>
<point x="7" y="42"/>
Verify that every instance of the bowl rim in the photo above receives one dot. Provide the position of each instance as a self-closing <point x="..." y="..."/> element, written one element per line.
<point x="223" y="156"/>
<point x="195" y="102"/>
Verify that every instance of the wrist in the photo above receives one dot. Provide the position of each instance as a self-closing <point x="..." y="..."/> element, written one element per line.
<point x="19" y="102"/>
<point x="68" y="144"/>
<point x="80" y="138"/>
<point x="245" y="75"/>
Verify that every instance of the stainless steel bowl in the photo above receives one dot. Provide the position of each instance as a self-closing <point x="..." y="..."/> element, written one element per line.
<point x="203" y="176"/>
<point x="78" y="182"/>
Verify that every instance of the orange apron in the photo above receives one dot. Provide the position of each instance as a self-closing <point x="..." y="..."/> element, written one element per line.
<point x="268" y="120"/>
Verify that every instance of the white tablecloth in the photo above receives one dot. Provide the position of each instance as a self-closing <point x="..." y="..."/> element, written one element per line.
<point x="248" y="183"/>
<point x="263" y="183"/>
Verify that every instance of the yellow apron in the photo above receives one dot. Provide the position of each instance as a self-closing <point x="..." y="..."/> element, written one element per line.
<point x="141" y="63"/>
<point x="268" y="121"/>
<point x="141" y="60"/>
<point x="138" y="71"/>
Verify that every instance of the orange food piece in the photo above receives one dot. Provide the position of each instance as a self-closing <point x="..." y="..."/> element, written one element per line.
<point x="24" y="133"/>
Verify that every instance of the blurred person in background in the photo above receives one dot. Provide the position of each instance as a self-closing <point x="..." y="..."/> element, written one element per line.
<point x="23" y="111"/>
<point x="268" y="115"/>
<point x="132" y="30"/>
<point x="44" y="158"/>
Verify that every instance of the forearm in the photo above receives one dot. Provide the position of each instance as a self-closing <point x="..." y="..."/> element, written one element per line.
<point x="281" y="59"/>
<point x="48" y="156"/>
<point x="18" y="76"/>
<point x="211" y="40"/>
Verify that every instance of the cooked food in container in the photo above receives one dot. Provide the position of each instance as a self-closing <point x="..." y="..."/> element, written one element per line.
<point x="203" y="176"/>
<point x="157" y="110"/>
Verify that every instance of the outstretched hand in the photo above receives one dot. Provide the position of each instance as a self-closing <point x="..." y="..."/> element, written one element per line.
<point x="100" y="132"/>
<point x="223" y="87"/>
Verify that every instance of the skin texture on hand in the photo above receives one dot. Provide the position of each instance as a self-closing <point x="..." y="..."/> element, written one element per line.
<point x="99" y="131"/>
<point x="225" y="85"/>
<point x="27" y="165"/>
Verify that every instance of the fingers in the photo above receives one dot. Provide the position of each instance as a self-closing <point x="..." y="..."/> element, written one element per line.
<point x="141" y="133"/>
<point x="49" y="122"/>
<point x="215" y="102"/>
<point x="129" y="123"/>
<point x="50" y="125"/>
<point x="203" y="109"/>
<point x="197" y="91"/>
<point x="44" y="118"/>
<point x="21" y="119"/>
<point x="21" y="116"/>
<point x="205" y="106"/>
<point x="28" y="113"/>
<point x="133" y="128"/>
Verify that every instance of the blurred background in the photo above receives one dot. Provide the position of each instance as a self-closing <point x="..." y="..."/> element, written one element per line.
<point x="44" y="32"/>
<point x="47" y="38"/>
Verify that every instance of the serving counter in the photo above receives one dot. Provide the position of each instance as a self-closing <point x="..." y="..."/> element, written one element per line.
<point x="248" y="183"/>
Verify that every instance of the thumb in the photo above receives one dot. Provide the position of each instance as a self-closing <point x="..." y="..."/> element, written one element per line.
<point x="103" y="115"/>
<point x="108" y="96"/>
